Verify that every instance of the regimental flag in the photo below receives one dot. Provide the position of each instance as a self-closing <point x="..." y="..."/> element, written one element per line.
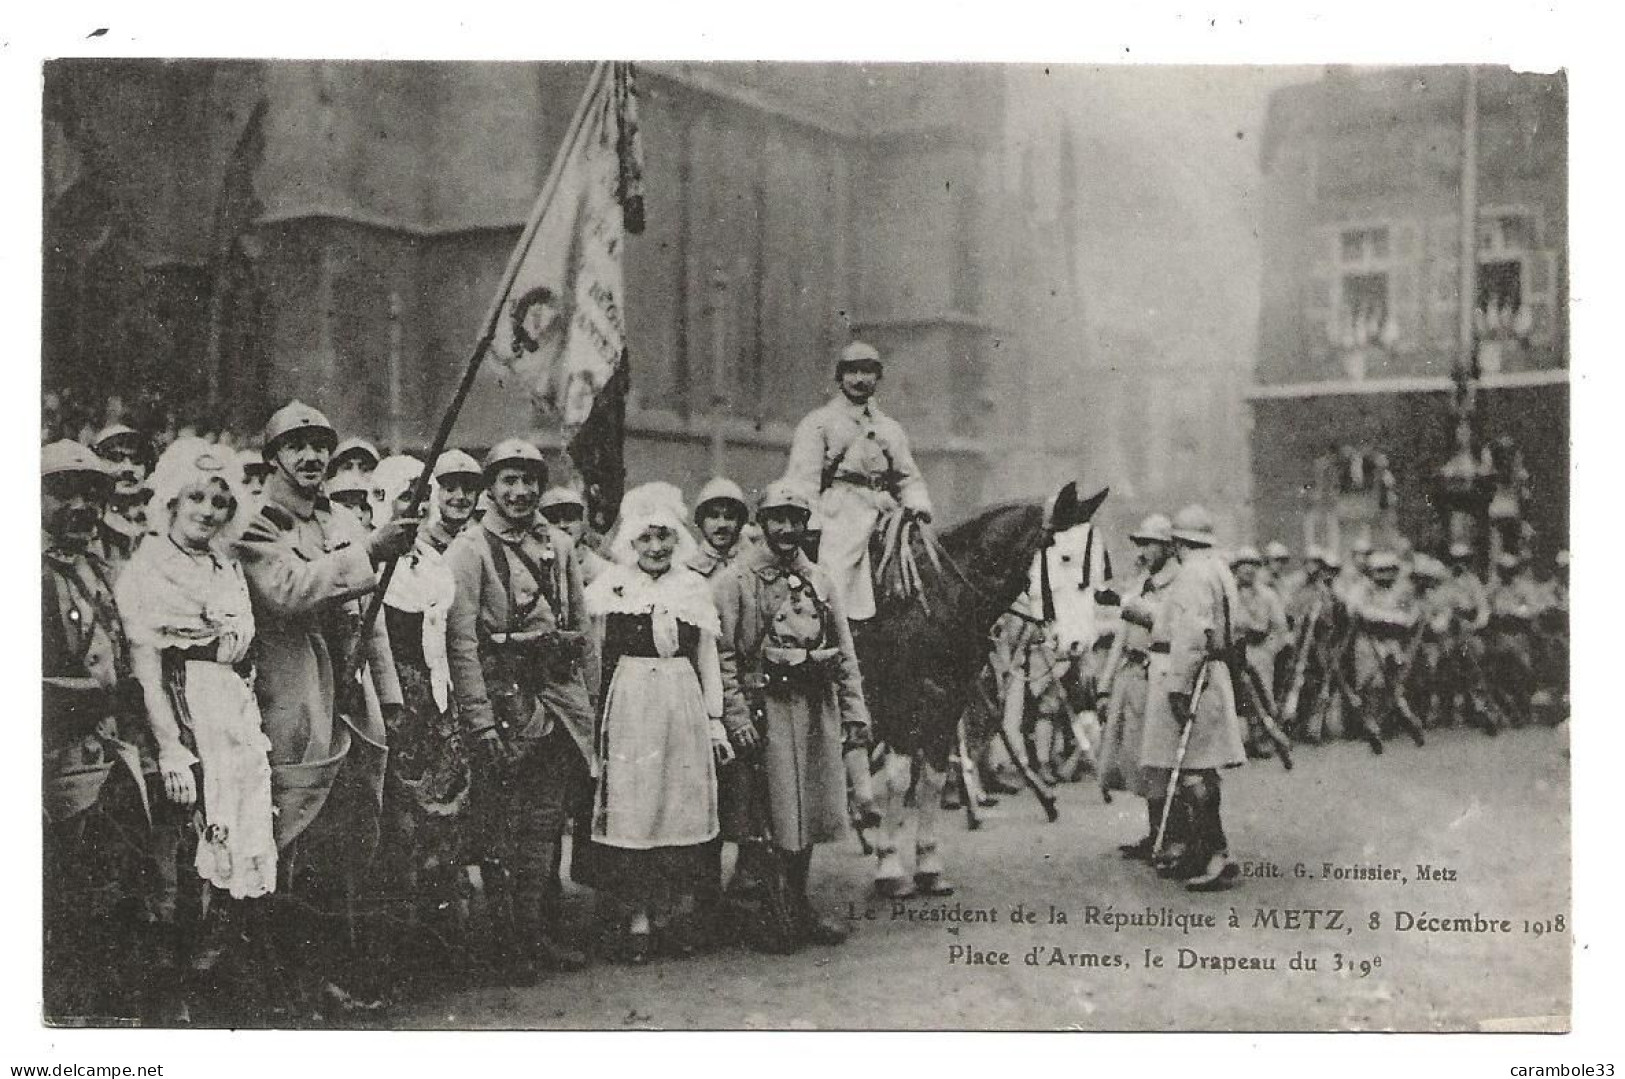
<point x="561" y="327"/>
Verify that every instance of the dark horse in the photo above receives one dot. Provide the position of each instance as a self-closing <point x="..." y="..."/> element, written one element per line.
<point x="920" y="656"/>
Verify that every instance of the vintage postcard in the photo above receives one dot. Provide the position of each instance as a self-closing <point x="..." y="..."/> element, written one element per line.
<point x="748" y="545"/>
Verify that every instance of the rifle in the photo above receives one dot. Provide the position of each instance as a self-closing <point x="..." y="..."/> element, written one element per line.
<point x="1251" y="685"/>
<point x="1244" y="681"/>
<point x="1179" y="759"/>
<point x="1300" y="662"/>
<point x="1396" y="687"/>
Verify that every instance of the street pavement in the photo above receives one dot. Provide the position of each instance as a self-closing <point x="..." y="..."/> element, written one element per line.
<point x="1475" y="946"/>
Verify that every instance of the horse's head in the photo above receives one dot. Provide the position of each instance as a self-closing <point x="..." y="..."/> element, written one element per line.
<point x="1066" y="578"/>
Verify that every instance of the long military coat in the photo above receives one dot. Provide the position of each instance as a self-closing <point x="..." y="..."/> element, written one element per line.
<point x="1193" y="624"/>
<point x="308" y="570"/>
<point x="806" y="777"/>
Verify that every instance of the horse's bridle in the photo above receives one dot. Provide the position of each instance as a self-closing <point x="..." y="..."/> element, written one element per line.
<point x="965" y="579"/>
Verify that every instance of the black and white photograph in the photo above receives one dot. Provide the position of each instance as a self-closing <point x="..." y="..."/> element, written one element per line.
<point x="841" y="544"/>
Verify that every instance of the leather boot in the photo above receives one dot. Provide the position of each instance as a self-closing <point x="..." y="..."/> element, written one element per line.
<point x="1140" y="850"/>
<point x="537" y="918"/>
<point x="507" y="953"/>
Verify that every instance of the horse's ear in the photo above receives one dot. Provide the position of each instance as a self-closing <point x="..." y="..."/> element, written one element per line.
<point x="1069" y="510"/>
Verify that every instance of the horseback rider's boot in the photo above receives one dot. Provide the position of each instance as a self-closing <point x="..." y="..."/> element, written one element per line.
<point x="1140" y="849"/>
<point x="809" y="927"/>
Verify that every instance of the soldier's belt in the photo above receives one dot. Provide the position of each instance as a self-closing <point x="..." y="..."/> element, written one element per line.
<point x="858" y="479"/>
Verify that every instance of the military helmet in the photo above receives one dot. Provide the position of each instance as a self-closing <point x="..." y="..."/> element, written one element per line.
<point x="355" y="446"/>
<point x="1383" y="561"/>
<point x="1156" y="528"/>
<point x="115" y="432"/>
<point x="562" y="496"/>
<point x="1193" y="526"/>
<point x="457" y="463"/>
<point x="856" y="354"/>
<point x="295" y="416"/>
<point x="1276" y="550"/>
<point x="67" y="457"/>
<point x="785" y="494"/>
<point x="348" y="484"/>
<point x="1246" y="554"/>
<point x="721" y="489"/>
<point x="515" y="452"/>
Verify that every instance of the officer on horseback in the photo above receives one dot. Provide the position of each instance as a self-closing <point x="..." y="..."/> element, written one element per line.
<point x="858" y="460"/>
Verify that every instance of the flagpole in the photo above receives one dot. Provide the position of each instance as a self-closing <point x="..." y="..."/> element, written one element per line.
<point x="482" y="345"/>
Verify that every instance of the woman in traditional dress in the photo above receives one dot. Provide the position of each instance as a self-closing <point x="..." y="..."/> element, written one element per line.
<point x="187" y="614"/>
<point x="427" y="782"/>
<point x="660" y="737"/>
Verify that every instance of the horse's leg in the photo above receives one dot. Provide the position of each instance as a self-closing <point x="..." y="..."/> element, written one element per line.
<point x="969" y="787"/>
<point x="891" y="882"/>
<point x="929" y="878"/>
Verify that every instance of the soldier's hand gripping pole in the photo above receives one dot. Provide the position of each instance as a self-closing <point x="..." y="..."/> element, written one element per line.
<point x="357" y="653"/>
<point x="1179" y="760"/>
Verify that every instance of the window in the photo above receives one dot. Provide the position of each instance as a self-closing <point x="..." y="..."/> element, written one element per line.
<point x="1507" y="243"/>
<point x="1364" y="314"/>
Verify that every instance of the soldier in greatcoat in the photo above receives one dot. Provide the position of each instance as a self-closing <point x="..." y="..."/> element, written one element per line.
<point x="859" y="462"/>
<point x="1134" y="669"/>
<point x="525" y="675"/>
<point x="791" y="689"/>
<point x="310" y="568"/>
<point x="1193" y="704"/>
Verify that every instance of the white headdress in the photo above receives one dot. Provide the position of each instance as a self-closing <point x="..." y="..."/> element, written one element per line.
<point x="188" y="462"/>
<point x="390" y="480"/>
<point x="648" y="506"/>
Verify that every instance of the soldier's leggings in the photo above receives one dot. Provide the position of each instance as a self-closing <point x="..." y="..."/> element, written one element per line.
<point x="517" y="812"/>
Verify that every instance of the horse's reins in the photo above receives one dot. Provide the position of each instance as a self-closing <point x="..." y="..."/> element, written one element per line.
<point x="939" y="553"/>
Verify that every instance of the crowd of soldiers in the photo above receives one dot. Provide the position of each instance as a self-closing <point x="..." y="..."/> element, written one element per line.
<point x="1396" y="642"/>
<point x="247" y="772"/>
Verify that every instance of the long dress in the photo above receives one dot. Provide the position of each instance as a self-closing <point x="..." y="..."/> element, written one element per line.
<point x="427" y="782"/>
<point x="195" y="610"/>
<point x="654" y="812"/>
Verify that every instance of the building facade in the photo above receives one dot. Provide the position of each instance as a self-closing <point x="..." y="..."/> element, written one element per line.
<point x="1362" y="306"/>
<point x="246" y="232"/>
